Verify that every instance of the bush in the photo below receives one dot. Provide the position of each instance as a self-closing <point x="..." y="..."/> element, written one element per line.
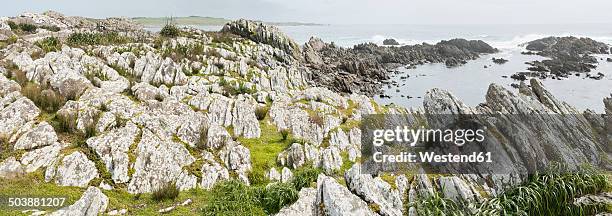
<point x="50" y="44"/>
<point x="261" y="112"/>
<point x="170" y="30"/>
<point x="277" y="195"/>
<point x="51" y="28"/>
<point x="316" y="119"/>
<point x="284" y="134"/>
<point x="26" y="27"/>
<point x="167" y="191"/>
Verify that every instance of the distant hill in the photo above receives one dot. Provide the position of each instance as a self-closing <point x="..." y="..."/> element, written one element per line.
<point x="203" y="21"/>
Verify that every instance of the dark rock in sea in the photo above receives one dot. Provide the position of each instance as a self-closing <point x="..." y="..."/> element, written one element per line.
<point x="599" y="76"/>
<point x="390" y="41"/>
<point x="529" y="53"/>
<point x="504" y="76"/>
<point x="609" y="59"/>
<point x="485" y="66"/>
<point x="567" y="54"/>
<point x="499" y="60"/>
<point x="514" y="85"/>
<point x="519" y="77"/>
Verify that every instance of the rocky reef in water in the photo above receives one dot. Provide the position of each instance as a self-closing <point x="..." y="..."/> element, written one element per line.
<point x="109" y="115"/>
<point x="567" y="55"/>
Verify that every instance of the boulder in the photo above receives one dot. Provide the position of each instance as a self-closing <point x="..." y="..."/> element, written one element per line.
<point x="286" y="175"/>
<point x="42" y="157"/>
<point x="41" y="135"/>
<point x="113" y="147"/>
<point x="92" y="203"/>
<point x="374" y="190"/>
<point x="158" y="162"/>
<point x="10" y="168"/>
<point x="304" y="206"/>
<point x="213" y="173"/>
<point x="336" y="200"/>
<point x="75" y="170"/>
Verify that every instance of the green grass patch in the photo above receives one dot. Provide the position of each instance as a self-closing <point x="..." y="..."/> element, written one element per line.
<point x="33" y="185"/>
<point x="266" y="148"/>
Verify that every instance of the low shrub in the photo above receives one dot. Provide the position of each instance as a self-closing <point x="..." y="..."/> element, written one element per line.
<point x="168" y="191"/>
<point x="25" y="27"/>
<point x="316" y="119"/>
<point x="50" y="44"/>
<point x="170" y="30"/>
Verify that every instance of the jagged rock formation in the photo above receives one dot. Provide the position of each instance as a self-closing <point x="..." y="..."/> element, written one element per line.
<point x="568" y="54"/>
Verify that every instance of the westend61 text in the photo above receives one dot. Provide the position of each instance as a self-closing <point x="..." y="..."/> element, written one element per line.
<point x="431" y="157"/>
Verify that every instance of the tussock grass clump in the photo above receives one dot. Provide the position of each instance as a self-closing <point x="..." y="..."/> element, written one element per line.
<point x="203" y="137"/>
<point x="168" y="191"/>
<point x="66" y="122"/>
<point x="233" y="198"/>
<point x="107" y="38"/>
<point x="261" y="112"/>
<point x="304" y="176"/>
<point x="549" y="193"/>
<point x="15" y="74"/>
<point x="552" y="193"/>
<point x="50" y="44"/>
<point x="46" y="99"/>
<point x="285" y="134"/>
<point x="277" y="195"/>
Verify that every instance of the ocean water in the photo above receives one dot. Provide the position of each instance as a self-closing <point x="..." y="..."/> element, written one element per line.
<point x="471" y="81"/>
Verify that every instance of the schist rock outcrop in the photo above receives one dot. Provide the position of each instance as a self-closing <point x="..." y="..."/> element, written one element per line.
<point x="131" y="112"/>
<point x="364" y="67"/>
<point x="567" y="55"/>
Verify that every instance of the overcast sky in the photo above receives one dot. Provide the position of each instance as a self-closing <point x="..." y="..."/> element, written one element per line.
<point x="339" y="11"/>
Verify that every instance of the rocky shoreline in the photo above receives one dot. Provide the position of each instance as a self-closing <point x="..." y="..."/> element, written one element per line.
<point x="245" y="121"/>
